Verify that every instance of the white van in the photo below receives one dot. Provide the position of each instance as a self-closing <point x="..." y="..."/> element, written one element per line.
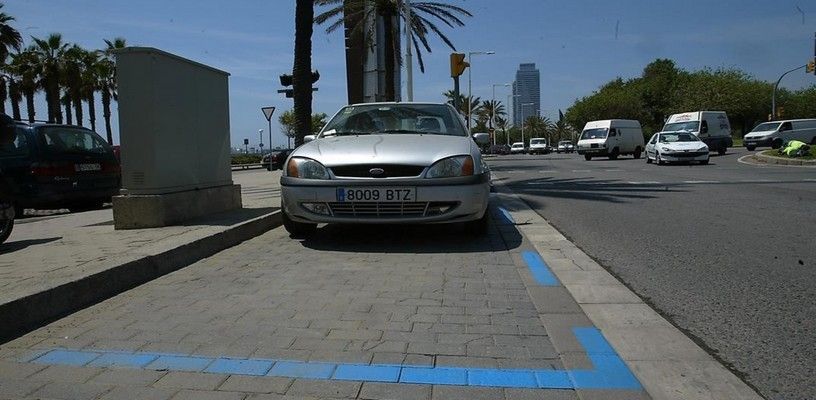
<point x="777" y="133"/>
<point x="611" y="138"/>
<point x="712" y="127"/>
<point x="539" y="146"/>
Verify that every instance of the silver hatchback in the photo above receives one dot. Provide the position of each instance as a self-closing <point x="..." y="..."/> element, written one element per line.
<point x="384" y="163"/>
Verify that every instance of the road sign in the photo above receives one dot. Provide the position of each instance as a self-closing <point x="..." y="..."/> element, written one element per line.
<point x="246" y="142"/>
<point x="268" y="111"/>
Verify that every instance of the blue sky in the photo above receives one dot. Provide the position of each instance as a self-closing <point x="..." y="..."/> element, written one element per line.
<point x="573" y="43"/>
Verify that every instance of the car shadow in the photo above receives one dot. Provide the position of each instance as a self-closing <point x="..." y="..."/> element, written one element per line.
<point x="10" y="247"/>
<point x="416" y="239"/>
<point x="606" y="190"/>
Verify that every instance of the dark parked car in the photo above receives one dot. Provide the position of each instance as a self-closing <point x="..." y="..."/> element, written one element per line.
<point x="50" y="166"/>
<point x="501" y="149"/>
<point x="277" y="158"/>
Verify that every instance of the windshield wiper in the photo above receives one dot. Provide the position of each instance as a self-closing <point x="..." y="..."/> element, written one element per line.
<point x="406" y="131"/>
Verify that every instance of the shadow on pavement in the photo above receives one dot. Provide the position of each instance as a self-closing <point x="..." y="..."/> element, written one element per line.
<point x="230" y="218"/>
<point x="422" y="239"/>
<point x="10" y="247"/>
<point x="613" y="191"/>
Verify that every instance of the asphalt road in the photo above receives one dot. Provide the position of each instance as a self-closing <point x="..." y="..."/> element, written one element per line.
<point x="726" y="251"/>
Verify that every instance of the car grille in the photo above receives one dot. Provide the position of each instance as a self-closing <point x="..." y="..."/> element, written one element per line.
<point x="689" y="154"/>
<point x="391" y="210"/>
<point x="593" y="145"/>
<point x="389" y="171"/>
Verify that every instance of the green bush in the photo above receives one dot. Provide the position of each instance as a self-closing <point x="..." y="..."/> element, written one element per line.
<point x="246" y="159"/>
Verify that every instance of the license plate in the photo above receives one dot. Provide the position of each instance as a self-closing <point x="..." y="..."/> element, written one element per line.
<point x="88" y="167"/>
<point x="379" y="194"/>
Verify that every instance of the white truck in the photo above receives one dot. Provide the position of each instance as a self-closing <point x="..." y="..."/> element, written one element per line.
<point x="611" y="138"/>
<point x="712" y="127"/>
<point x="777" y="133"/>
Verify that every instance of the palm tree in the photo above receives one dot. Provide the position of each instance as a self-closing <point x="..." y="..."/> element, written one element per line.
<point x="10" y="38"/>
<point x="91" y="69"/>
<point x="107" y="75"/>
<point x="16" y="97"/>
<point x="538" y="126"/>
<point x="490" y="109"/>
<point x="50" y="52"/>
<point x="357" y="14"/>
<point x="72" y="82"/>
<point x="302" y="69"/>
<point x="25" y="69"/>
<point x="475" y="104"/>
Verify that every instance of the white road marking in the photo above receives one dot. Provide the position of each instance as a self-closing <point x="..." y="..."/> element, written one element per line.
<point x="580" y="170"/>
<point x="700" y="182"/>
<point x="644" y="183"/>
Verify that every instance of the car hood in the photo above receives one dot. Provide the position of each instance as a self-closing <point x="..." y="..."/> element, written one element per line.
<point x="759" y="134"/>
<point x="406" y="149"/>
<point x="587" y="142"/>
<point x="683" y="145"/>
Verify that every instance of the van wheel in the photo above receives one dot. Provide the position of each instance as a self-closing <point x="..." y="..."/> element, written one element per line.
<point x="587" y="157"/>
<point x="297" y="229"/>
<point x="776" y="144"/>
<point x="637" y="153"/>
<point x="704" y="162"/>
<point x="6" y="225"/>
<point x="722" y="150"/>
<point x="750" y="148"/>
<point x="813" y="141"/>
<point x="614" y="154"/>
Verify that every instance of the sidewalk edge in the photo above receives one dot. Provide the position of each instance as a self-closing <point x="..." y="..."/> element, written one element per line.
<point x="25" y="314"/>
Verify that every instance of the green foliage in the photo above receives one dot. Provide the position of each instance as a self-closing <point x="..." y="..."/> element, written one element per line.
<point x="663" y="89"/>
<point x="287" y="122"/>
<point x="245" y="159"/>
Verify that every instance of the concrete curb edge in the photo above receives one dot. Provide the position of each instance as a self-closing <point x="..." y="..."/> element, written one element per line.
<point x="28" y="313"/>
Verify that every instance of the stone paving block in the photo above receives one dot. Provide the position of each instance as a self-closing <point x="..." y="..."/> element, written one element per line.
<point x="330" y="389"/>
<point x="466" y="393"/>
<point x="437" y="349"/>
<point x="538" y="394"/>
<point x="72" y="391"/>
<point x="65" y="373"/>
<point x="256" y="384"/>
<point x="138" y="393"/>
<point x="130" y="377"/>
<point x="190" y="380"/>
<point x="16" y="388"/>
<point x="615" y="395"/>
<point x="200" y="395"/>
<point x="393" y="391"/>
<point x="18" y="370"/>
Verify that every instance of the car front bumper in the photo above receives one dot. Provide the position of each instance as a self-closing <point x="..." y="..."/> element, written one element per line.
<point x="593" y="151"/>
<point x="757" y="142"/>
<point x="684" y="157"/>
<point x="445" y="200"/>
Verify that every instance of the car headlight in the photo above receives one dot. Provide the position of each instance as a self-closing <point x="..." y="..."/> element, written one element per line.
<point x="704" y="148"/>
<point x="306" y="168"/>
<point x="451" y="167"/>
<point x="665" y="149"/>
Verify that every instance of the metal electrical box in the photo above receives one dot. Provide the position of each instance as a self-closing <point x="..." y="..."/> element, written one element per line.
<point x="174" y="123"/>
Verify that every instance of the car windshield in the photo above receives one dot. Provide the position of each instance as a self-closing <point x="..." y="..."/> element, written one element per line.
<point x="690" y="126"/>
<point x="17" y="148"/>
<point x="434" y="119"/>
<point x="766" y="127"/>
<point x="62" y="140"/>
<point x="597" y="133"/>
<point x="517" y="145"/>
<point x="566" y="143"/>
<point x="538" y="141"/>
<point x="678" y="137"/>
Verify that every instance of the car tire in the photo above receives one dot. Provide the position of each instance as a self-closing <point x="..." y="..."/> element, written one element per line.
<point x="658" y="160"/>
<point x="776" y="144"/>
<point x="722" y="150"/>
<point x="704" y="162"/>
<point x="750" y="148"/>
<point x="297" y="229"/>
<point x="587" y="157"/>
<point x="648" y="160"/>
<point x="6" y="225"/>
<point x="614" y="154"/>
<point x="479" y="226"/>
<point x="637" y="153"/>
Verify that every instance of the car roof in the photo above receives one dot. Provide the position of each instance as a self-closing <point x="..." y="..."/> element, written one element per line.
<point x="42" y="124"/>
<point x="395" y="103"/>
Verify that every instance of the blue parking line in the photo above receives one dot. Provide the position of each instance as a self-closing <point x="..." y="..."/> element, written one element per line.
<point x="506" y="214"/>
<point x="539" y="269"/>
<point x="608" y="372"/>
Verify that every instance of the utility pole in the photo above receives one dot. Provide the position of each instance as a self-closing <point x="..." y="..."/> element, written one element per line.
<point x="470" y="83"/>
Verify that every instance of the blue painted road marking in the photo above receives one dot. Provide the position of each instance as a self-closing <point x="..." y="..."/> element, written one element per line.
<point x="508" y="218"/>
<point x="608" y="372"/>
<point x="539" y="269"/>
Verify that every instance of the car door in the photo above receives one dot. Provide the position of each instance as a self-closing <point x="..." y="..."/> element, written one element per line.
<point x="613" y="140"/>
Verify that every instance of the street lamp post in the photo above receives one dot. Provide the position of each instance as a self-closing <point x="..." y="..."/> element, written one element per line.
<point x="509" y="96"/>
<point x="493" y="109"/>
<point x="260" y="140"/>
<point x="522" y="119"/>
<point x="470" y="83"/>
<point x="773" y="98"/>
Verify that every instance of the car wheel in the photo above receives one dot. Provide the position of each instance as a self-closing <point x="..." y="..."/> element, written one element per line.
<point x="637" y="153"/>
<point x="722" y="150"/>
<point x="6" y="225"/>
<point x="587" y="157"/>
<point x="776" y="144"/>
<point x="614" y="154"/>
<point x="704" y="162"/>
<point x="658" y="160"/>
<point x="297" y="229"/>
<point x="648" y="160"/>
<point x="750" y="148"/>
<point x="479" y="226"/>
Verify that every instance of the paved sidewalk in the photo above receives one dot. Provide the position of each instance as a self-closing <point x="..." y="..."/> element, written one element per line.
<point x="44" y="253"/>
<point x="354" y="312"/>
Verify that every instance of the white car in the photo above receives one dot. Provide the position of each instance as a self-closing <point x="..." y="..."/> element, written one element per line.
<point x="387" y="163"/>
<point x="517" y="148"/>
<point x="565" y="146"/>
<point x="667" y="147"/>
<point x="539" y="146"/>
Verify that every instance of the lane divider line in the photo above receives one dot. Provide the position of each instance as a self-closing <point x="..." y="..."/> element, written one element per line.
<point x="608" y="372"/>
<point x="539" y="269"/>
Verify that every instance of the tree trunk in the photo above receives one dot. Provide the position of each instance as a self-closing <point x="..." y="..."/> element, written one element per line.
<point x="15" y="95"/>
<point x="29" y="95"/>
<point x="92" y="110"/>
<point x="3" y="95"/>
<point x="302" y="69"/>
<point x="77" y="100"/>
<point x="66" y="101"/>
<point x="106" y="113"/>
<point x="390" y="58"/>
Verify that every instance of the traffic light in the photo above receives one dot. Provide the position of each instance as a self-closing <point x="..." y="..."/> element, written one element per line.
<point x="811" y="67"/>
<point x="286" y="80"/>
<point x="457" y="64"/>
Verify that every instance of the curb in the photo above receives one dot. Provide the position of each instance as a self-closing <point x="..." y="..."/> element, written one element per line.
<point x="784" y="161"/>
<point x="25" y="314"/>
<point x="668" y="364"/>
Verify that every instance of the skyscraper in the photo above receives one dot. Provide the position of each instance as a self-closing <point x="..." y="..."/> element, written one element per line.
<point x="528" y="86"/>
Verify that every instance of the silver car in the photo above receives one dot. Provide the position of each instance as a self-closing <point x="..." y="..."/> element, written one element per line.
<point x="383" y="163"/>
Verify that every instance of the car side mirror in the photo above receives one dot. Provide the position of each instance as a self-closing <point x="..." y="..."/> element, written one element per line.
<point x="7" y="134"/>
<point x="481" y="138"/>
<point x="308" y="138"/>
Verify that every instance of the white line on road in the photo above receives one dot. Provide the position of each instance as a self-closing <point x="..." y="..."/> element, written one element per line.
<point x="581" y="170"/>
<point x="700" y="182"/>
<point x="644" y="183"/>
